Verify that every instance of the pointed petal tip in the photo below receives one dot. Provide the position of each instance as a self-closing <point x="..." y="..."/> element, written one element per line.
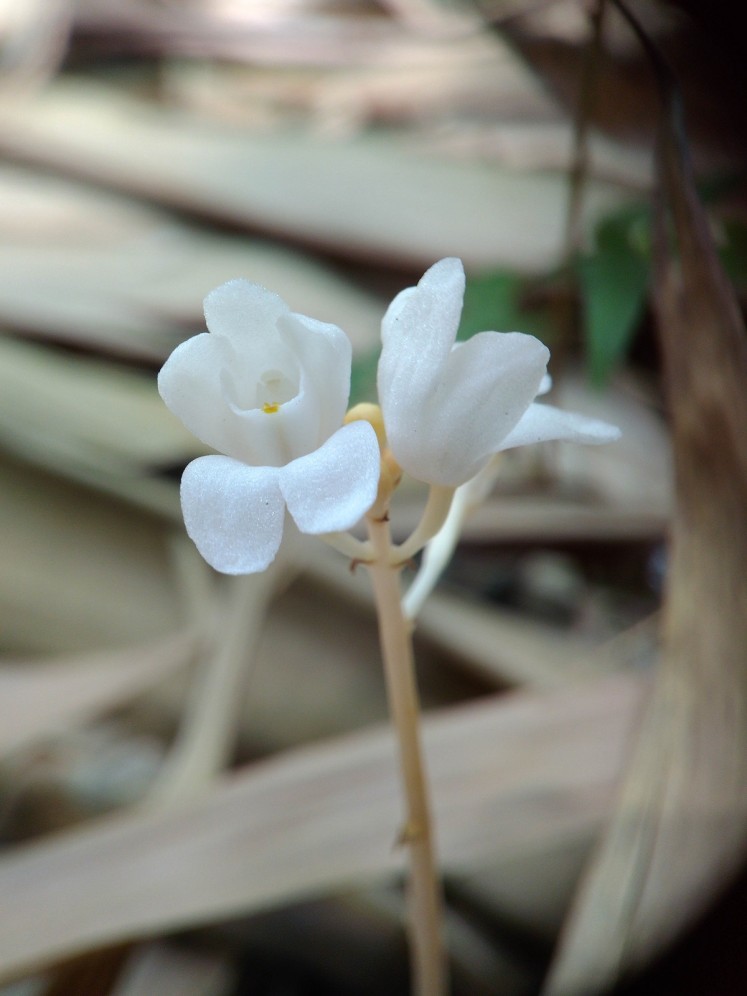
<point x="608" y="433"/>
<point x="449" y="269"/>
<point x="543" y="423"/>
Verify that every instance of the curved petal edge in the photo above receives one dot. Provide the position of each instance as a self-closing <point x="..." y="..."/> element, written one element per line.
<point x="542" y="423"/>
<point x="233" y="513"/>
<point x="330" y="489"/>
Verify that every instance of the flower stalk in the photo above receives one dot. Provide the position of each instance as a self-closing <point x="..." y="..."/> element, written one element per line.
<point x="425" y="903"/>
<point x="268" y="389"/>
<point x="434" y="516"/>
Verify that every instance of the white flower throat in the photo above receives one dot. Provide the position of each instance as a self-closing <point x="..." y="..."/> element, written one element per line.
<point x="273" y="389"/>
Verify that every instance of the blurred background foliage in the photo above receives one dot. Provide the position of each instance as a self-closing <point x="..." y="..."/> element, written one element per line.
<point x="331" y="150"/>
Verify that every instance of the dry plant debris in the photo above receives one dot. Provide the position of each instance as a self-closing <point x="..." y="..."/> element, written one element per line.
<point x="329" y="151"/>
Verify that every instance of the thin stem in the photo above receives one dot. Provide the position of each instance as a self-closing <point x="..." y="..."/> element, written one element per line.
<point x="434" y="515"/>
<point x="348" y="545"/>
<point x="584" y="110"/>
<point x="440" y="548"/>
<point x="436" y="555"/>
<point x="425" y="904"/>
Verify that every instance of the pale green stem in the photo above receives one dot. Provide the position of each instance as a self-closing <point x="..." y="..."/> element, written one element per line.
<point x="425" y="904"/>
<point x="434" y="515"/>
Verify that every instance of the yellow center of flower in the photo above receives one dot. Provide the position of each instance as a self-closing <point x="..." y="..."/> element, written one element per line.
<point x="270" y="407"/>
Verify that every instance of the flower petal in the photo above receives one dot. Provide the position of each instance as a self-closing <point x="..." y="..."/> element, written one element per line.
<point x="233" y="513"/>
<point x="324" y="355"/>
<point x="541" y="423"/>
<point x="485" y="387"/>
<point x="244" y="313"/>
<point x="221" y="384"/>
<point x="209" y="381"/>
<point x="243" y="318"/>
<point x="417" y="333"/>
<point x="330" y="489"/>
<point x="447" y="408"/>
<point x="190" y="384"/>
<point x="545" y="385"/>
<point x="488" y="384"/>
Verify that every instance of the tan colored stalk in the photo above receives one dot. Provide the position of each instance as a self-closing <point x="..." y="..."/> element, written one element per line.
<point x="425" y="902"/>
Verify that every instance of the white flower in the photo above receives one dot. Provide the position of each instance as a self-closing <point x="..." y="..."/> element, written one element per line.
<point x="447" y="406"/>
<point x="269" y="389"/>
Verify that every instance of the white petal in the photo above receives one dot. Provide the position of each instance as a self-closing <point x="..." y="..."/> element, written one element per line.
<point x="233" y="513"/>
<point x="446" y="410"/>
<point x="190" y="384"/>
<point x="243" y="312"/>
<point x="417" y="332"/>
<point x="244" y="317"/>
<point x="324" y="355"/>
<point x="203" y="380"/>
<point x="217" y="383"/>
<point x="486" y="385"/>
<point x="330" y="489"/>
<point x="545" y="385"/>
<point x="541" y="423"/>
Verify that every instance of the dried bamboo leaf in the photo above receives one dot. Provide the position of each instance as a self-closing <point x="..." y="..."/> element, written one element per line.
<point x="318" y="819"/>
<point x="34" y="36"/>
<point x="65" y="409"/>
<point x="319" y="638"/>
<point x="98" y="269"/>
<point x="41" y="698"/>
<point x="505" y="647"/>
<point x="70" y="257"/>
<point x="79" y="572"/>
<point x="495" y="644"/>
<point x="547" y="144"/>
<point x="310" y="640"/>
<point x="680" y="829"/>
<point x="168" y="971"/>
<point x="373" y="195"/>
<point x="487" y="78"/>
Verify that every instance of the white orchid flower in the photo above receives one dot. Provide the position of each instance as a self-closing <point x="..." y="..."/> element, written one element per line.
<point x="269" y="389"/>
<point x="449" y="407"/>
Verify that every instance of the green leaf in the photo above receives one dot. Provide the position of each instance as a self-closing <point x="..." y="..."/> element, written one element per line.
<point x="733" y="251"/>
<point x="613" y="284"/>
<point x="493" y="301"/>
<point x="363" y="377"/>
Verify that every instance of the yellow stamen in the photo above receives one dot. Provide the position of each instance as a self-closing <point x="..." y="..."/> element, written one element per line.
<point x="270" y="407"/>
